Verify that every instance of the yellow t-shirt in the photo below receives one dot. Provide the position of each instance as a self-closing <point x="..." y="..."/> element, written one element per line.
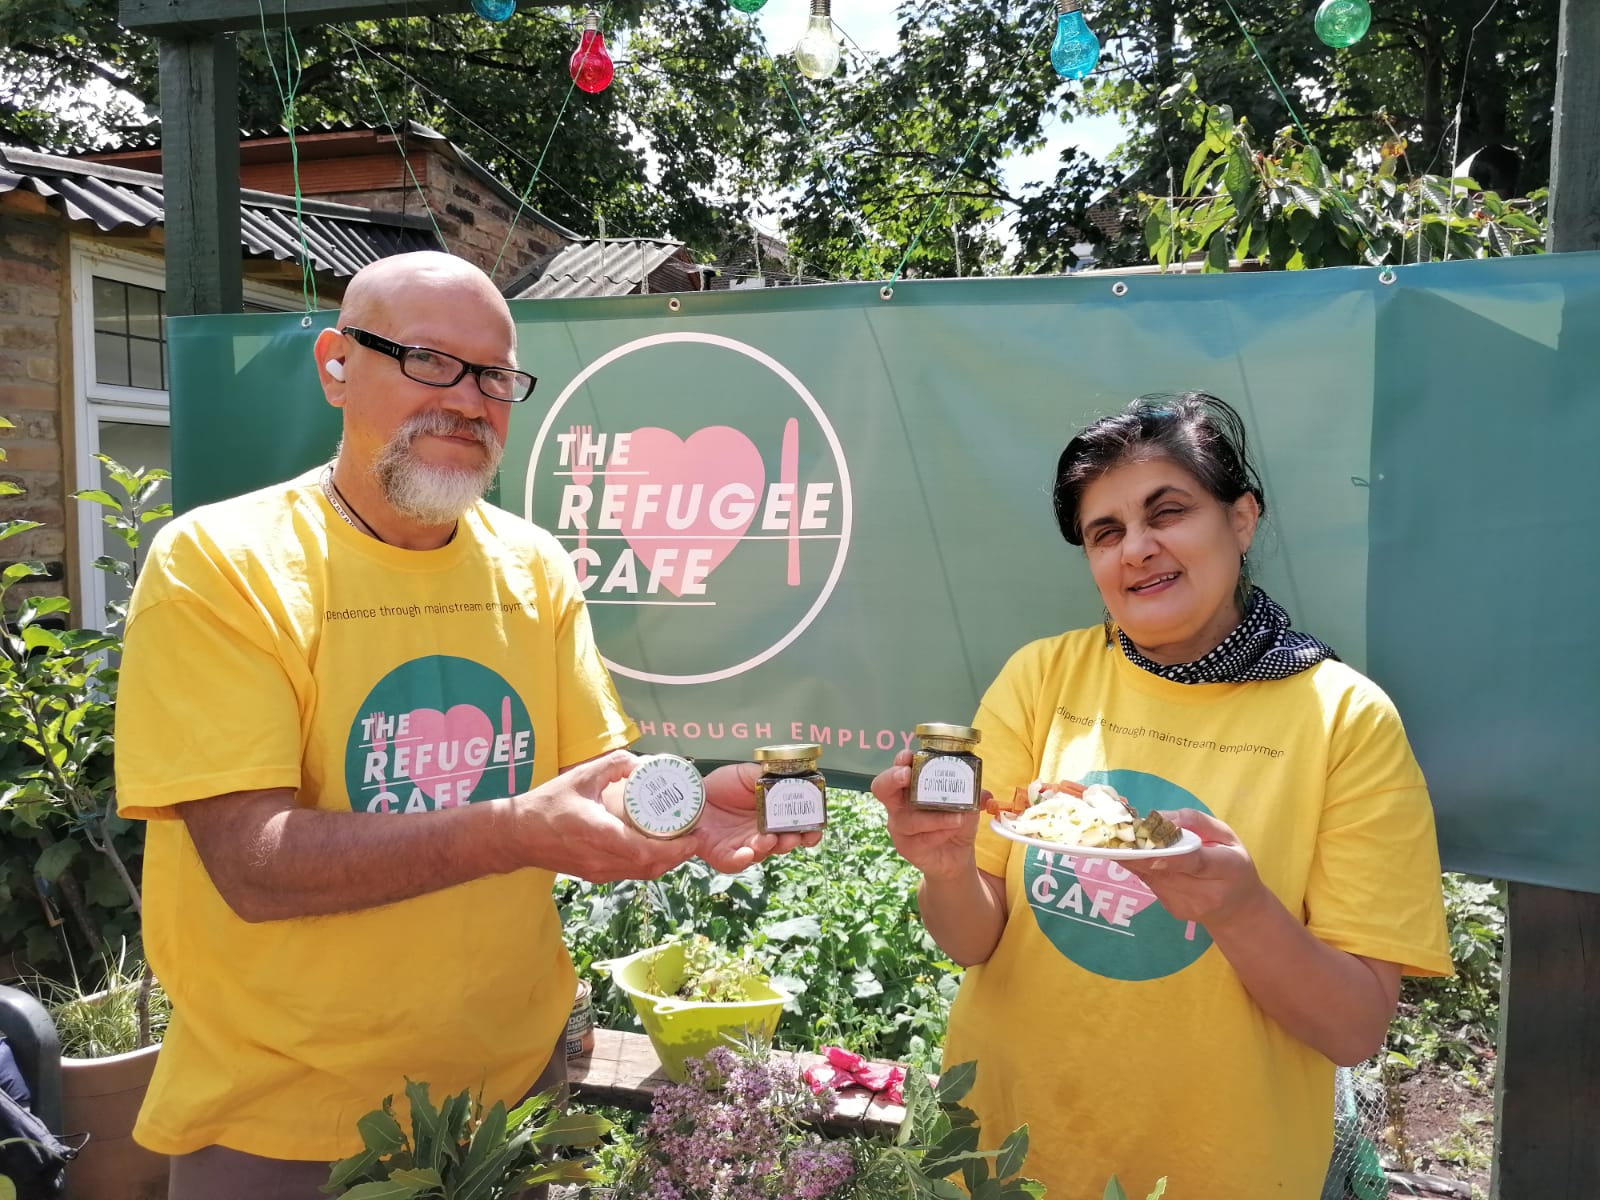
<point x="272" y="646"/>
<point x="1121" y="1035"/>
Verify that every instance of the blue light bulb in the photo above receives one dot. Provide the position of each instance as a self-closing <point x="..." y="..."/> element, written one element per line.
<point x="1076" y="50"/>
<point x="494" y="10"/>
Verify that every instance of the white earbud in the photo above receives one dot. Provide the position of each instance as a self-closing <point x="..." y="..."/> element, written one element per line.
<point x="335" y="369"/>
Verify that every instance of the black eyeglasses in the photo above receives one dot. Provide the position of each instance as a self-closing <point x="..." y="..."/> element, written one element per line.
<point x="438" y="369"/>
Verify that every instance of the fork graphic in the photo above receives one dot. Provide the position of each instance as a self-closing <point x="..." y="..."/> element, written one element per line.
<point x="583" y="476"/>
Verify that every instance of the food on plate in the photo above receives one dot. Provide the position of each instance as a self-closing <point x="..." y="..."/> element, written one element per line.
<point x="1097" y="816"/>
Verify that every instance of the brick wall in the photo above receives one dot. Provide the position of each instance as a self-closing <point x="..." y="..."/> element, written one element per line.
<point x="472" y="217"/>
<point x="33" y="332"/>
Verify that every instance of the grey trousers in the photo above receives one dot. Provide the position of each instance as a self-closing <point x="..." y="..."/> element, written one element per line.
<point x="218" y="1173"/>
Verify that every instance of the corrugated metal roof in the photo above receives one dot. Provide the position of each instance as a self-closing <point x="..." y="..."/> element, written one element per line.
<point x="340" y="238"/>
<point x="609" y="267"/>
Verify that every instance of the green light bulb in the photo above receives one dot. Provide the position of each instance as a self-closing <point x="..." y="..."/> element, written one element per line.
<point x="1343" y="23"/>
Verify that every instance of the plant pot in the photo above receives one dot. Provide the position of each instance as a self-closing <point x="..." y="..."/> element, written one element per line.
<point x="684" y="1029"/>
<point x="101" y="1097"/>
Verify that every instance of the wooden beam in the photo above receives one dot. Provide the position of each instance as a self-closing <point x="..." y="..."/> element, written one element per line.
<point x="194" y="17"/>
<point x="1547" y="1081"/>
<point x="1575" y="137"/>
<point x="1547" y="1084"/>
<point x="200" y="174"/>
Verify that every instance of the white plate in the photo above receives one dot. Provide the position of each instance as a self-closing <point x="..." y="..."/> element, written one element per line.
<point x="1188" y="842"/>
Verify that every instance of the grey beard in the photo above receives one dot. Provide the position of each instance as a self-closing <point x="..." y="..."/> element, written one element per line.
<point x="428" y="494"/>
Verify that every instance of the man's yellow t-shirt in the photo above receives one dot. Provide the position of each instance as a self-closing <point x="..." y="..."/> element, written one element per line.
<point x="270" y="645"/>
<point x="1121" y="1035"/>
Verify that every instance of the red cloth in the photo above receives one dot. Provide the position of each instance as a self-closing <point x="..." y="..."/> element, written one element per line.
<point x="841" y="1069"/>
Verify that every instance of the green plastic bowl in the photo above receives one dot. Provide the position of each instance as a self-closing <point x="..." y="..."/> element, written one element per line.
<point x="681" y="1030"/>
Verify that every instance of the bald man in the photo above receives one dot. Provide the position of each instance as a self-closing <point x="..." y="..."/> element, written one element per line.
<point x="364" y="716"/>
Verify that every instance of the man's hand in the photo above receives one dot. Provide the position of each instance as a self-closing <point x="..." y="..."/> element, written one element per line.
<point x="727" y="837"/>
<point x="573" y="824"/>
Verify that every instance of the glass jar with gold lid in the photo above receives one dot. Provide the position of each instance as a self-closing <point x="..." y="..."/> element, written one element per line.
<point x="791" y="795"/>
<point x="946" y="776"/>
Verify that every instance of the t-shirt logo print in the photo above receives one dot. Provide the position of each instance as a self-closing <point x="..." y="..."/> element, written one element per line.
<point x="434" y="733"/>
<point x="1101" y="915"/>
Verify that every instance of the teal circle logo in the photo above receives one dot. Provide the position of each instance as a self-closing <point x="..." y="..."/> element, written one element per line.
<point x="1101" y="915"/>
<point x="437" y="732"/>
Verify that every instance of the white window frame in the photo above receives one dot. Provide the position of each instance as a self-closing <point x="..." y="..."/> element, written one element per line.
<point x="94" y="402"/>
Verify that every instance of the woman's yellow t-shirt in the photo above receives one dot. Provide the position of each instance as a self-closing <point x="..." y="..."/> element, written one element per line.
<point x="1120" y="1035"/>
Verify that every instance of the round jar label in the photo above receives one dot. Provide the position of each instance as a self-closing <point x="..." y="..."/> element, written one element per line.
<point x="794" y="804"/>
<point x="664" y="796"/>
<point x="946" y="783"/>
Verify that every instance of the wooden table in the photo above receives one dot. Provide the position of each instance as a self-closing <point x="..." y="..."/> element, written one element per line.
<point x="623" y="1070"/>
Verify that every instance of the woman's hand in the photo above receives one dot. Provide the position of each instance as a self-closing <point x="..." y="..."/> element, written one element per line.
<point x="938" y="844"/>
<point x="1211" y="885"/>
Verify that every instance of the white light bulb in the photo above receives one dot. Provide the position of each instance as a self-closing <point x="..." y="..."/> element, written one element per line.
<point x="817" y="55"/>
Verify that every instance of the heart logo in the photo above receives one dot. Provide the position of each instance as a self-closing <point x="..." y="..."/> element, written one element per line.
<point x="447" y="752"/>
<point x="1111" y="891"/>
<point x="718" y="473"/>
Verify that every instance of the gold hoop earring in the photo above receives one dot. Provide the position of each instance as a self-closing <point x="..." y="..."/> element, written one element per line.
<point x="1107" y="624"/>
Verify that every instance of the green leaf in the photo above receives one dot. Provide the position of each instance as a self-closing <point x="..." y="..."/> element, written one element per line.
<point x="350" y="1168"/>
<point x="1114" y="1190"/>
<point x="96" y="496"/>
<point x="380" y="1132"/>
<point x="574" y="1129"/>
<point x="8" y="1190"/>
<point x="1219" y="253"/>
<point x="7" y="488"/>
<point x="37" y="637"/>
<point x="489" y="1137"/>
<point x="424" y="1177"/>
<point x="804" y="928"/>
<point x="1159" y="1190"/>
<point x="1197" y="160"/>
<point x="1308" y="199"/>
<point x="1013" y="1152"/>
<point x="23" y="570"/>
<point x="54" y="860"/>
<point x="1023" y="1189"/>
<point x="563" y="1170"/>
<point x="384" y="1189"/>
<point x="12" y="528"/>
<point x="44" y="606"/>
<point x="955" y="1083"/>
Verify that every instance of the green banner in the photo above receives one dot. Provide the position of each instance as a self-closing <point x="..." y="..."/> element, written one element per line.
<point x="823" y="514"/>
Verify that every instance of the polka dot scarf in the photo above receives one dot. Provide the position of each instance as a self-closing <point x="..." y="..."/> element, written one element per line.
<point x="1262" y="646"/>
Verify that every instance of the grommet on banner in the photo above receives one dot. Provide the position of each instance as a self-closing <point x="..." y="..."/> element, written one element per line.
<point x="1119" y="288"/>
<point x="1386" y="277"/>
<point x="674" y="304"/>
<point x="305" y="321"/>
<point x="886" y="292"/>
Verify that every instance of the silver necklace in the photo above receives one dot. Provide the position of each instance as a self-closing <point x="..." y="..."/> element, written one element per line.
<point x="352" y="518"/>
<point x="337" y="501"/>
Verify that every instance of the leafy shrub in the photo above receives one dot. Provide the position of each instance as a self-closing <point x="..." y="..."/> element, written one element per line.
<point x="1274" y="199"/>
<point x="69" y="865"/>
<point x="1451" y="1021"/>
<point x="836" y="926"/>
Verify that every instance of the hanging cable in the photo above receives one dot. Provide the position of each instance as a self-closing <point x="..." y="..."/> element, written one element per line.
<point x="286" y="96"/>
<point x="399" y="140"/>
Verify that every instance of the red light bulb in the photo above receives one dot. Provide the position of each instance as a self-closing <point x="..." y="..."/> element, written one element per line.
<point x="591" y="67"/>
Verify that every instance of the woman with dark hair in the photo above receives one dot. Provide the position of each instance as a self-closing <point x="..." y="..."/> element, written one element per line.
<point x="1180" y="1016"/>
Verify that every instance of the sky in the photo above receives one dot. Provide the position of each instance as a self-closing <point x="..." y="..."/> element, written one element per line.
<point x="872" y="25"/>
